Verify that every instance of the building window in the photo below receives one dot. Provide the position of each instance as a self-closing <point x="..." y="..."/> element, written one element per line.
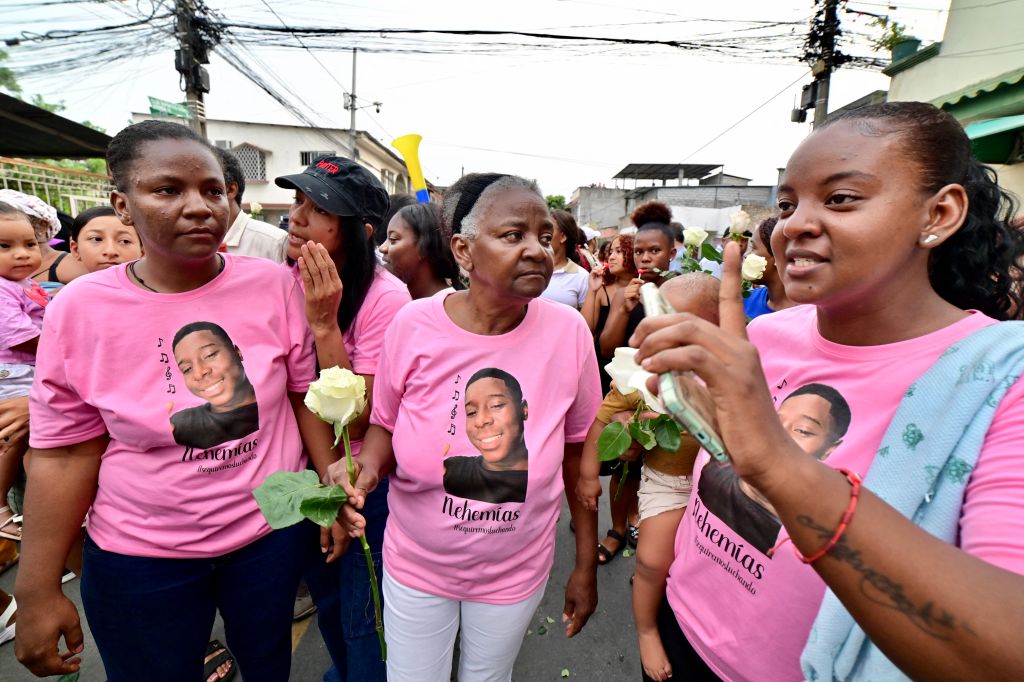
<point x="306" y="158"/>
<point x="222" y="144"/>
<point x="388" y="180"/>
<point x="254" y="163"/>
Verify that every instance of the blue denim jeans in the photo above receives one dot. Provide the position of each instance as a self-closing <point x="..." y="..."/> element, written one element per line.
<point x="341" y="591"/>
<point x="151" y="618"/>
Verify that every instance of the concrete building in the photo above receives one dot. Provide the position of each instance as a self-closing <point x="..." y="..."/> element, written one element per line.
<point x="706" y="200"/>
<point x="975" y="74"/>
<point x="269" y="150"/>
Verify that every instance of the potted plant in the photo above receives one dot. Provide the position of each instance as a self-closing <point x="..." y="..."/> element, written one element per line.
<point x="895" y="39"/>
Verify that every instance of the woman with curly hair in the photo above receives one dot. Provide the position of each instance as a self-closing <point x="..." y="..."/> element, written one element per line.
<point x="905" y="554"/>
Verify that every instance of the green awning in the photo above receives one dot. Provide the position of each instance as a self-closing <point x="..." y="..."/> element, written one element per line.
<point x="993" y="140"/>
<point x="1009" y="78"/>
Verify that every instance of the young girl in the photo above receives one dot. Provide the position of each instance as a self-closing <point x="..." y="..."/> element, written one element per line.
<point x="653" y="251"/>
<point x="665" y="479"/>
<point x="873" y="528"/>
<point x="21" y="320"/>
<point x="100" y="241"/>
<point x="350" y="301"/>
<point x="55" y="268"/>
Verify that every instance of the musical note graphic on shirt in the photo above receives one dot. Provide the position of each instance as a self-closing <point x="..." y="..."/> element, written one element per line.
<point x="164" y="359"/>
<point x="159" y="342"/>
<point x="451" y="429"/>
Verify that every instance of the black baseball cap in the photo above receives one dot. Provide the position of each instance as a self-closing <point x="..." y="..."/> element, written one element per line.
<point x="341" y="187"/>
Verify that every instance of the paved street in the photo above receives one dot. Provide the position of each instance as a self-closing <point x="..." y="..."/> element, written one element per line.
<point x="605" y="650"/>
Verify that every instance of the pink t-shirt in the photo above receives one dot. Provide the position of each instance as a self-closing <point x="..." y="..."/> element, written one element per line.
<point x="365" y="336"/>
<point x="457" y="528"/>
<point x="21" y="318"/>
<point x="748" y="615"/>
<point x="176" y="479"/>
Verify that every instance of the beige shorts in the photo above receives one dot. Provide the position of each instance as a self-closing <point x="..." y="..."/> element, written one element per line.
<point x="661" y="493"/>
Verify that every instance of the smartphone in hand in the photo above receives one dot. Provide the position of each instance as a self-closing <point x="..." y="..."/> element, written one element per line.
<point x="679" y="391"/>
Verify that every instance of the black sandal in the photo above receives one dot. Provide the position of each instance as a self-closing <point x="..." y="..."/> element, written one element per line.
<point x="211" y="664"/>
<point x="634" y="535"/>
<point x="604" y="555"/>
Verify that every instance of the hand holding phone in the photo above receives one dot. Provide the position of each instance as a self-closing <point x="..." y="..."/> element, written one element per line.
<point x="680" y="392"/>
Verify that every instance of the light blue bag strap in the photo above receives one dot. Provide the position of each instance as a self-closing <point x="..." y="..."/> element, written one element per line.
<point x="922" y="469"/>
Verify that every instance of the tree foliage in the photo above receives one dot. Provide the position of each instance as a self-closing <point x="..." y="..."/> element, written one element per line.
<point x="555" y="201"/>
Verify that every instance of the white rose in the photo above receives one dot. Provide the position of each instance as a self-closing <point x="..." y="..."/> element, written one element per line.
<point x="338" y="396"/>
<point x="753" y="267"/>
<point x="629" y="377"/>
<point x="255" y="207"/>
<point x="694" y="236"/>
<point x="739" y="222"/>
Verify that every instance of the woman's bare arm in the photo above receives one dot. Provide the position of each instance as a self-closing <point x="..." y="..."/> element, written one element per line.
<point x="61" y="487"/>
<point x="934" y="610"/>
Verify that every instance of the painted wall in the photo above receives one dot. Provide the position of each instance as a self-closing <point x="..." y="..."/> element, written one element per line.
<point x="283" y="146"/>
<point x="970" y="51"/>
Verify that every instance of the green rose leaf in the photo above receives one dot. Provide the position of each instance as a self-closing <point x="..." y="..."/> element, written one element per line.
<point x="322" y="504"/>
<point x="550" y="620"/>
<point x="613" y="441"/>
<point x="542" y="630"/>
<point x="281" y="495"/>
<point x="667" y="433"/>
<point x="70" y="677"/>
<point x="643" y="435"/>
<point x="628" y="552"/>
<point x="710" y="252"/>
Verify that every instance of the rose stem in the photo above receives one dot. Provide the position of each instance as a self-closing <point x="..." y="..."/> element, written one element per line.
<point x="378" y="620"/>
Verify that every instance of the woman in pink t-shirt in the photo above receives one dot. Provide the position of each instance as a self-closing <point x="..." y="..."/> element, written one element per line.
<point x="163" y="396"/>
<point x="478" y="428"/>
<point x="350" y="301"/>
<point x="898" y="244"/>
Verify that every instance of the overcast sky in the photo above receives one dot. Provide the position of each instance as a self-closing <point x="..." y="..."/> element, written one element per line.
<point x="568" y="117"/>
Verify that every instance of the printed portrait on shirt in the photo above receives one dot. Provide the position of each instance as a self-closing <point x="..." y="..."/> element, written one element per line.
<point x="817" y="417"/>
<point x="496" y="415"/>
<point x="211" y="366"/>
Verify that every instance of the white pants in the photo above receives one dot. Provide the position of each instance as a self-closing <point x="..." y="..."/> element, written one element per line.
<point x="420" y="631"/>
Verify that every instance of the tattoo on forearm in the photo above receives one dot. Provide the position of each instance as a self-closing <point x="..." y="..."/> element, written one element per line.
<point x="931" y="619"/>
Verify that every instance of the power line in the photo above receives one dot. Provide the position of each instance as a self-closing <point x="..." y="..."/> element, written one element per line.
<point x="752" y="112"/>
<point x="306" y="47"/>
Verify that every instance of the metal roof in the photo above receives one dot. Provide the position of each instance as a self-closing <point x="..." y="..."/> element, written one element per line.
<point x="667" y="171"/>
<point x="28" y="131"/>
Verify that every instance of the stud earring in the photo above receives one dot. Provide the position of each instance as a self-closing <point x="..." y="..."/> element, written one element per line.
<point x="929" y="239"/>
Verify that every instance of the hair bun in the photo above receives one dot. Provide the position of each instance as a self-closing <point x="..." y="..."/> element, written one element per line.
<point x="651" y="212"/>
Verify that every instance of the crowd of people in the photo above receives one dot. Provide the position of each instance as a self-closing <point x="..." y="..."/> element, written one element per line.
<point x="867" y="521"/>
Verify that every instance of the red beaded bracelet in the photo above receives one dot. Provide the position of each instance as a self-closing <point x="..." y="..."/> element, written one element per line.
<point x="854" y="478"/>
<point x="855" y="481"/>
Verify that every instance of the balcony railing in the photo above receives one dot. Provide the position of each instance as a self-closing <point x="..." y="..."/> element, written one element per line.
<point x="68" y="190"/>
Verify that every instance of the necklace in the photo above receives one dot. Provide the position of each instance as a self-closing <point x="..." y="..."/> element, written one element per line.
<point x="142" y="282"/>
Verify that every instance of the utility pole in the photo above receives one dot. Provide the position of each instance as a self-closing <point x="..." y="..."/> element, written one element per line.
<point x="823" y="56"/>
<point x="823" y="74"/>
<point x="192" y="52"/>
<point x="352" y="100"/>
